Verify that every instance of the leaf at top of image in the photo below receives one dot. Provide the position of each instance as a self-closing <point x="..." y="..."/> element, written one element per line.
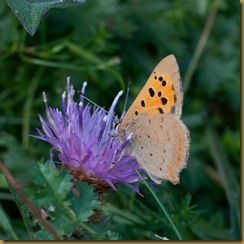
<point x="30" y="12"/>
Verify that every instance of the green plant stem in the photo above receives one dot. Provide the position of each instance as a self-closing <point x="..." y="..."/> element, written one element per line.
<point x="28" y="106"/>
<point x="163" y="208"/>
<point x="17" y="191"/>
<point x="87" y="228"/>
<point x="201" y="44"/>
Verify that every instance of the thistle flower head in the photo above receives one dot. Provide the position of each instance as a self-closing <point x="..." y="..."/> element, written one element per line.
<point x="84" y="140"/>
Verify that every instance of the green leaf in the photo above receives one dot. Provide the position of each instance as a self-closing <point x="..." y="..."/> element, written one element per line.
<point x="43" y="235"/>
<point x="30" y="12"/>
<point x="86" y="202"/>
<point x="61" y="221"/>
<point x="53" y="185"/>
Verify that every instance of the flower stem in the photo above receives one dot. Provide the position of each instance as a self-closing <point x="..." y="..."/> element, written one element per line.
<point x="163" y="208"/>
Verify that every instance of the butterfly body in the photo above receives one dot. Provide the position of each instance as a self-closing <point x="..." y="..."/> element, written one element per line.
<point x="160" y="140"/>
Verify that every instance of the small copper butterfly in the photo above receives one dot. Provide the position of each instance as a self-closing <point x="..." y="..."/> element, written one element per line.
<point x="160" y="140"/>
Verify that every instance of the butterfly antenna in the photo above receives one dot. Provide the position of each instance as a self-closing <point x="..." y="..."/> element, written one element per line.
<point x="126" y="99"/>
<point x="90" y="101"/>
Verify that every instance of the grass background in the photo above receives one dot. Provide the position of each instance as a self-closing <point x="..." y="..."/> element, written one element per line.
<point x="109" y="43"/>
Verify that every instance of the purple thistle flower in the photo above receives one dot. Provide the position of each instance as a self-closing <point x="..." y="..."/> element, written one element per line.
<point x="84" y="139"/>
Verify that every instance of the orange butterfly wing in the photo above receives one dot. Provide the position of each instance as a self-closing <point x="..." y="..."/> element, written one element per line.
<point x="162" y="93"/>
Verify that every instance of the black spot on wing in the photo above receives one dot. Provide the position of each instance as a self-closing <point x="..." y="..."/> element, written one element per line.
<point x="151" y="92"/>
<point x="164" y="100"/>
<point x="161" y="111"/>
<point x="164" y="83"/>
<point x="143" y="103"/>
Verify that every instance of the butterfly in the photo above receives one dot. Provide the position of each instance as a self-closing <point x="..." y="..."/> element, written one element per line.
<point x="160" y="140"/>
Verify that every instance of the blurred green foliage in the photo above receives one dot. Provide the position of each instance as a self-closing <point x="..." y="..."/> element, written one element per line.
<point x="109" y="43"/>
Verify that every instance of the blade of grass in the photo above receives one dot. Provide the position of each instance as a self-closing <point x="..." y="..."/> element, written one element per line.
<point x="6" y="225"/>
<point x="163" y="208"/>
<point x="98" y="63"/>
<point x="47" y="63"/>
<point x="145" y="208"/>
<point x="230" y="182"/>
<point x="201" y="44"/>
<point x="28" y="106"/>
